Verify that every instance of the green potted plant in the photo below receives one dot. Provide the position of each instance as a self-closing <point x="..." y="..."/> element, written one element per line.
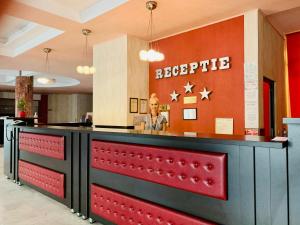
<point x="21" y="105"/>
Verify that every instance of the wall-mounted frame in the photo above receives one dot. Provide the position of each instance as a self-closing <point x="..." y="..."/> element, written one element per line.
<point x="166" y="114"/>
<point x="190" y="114"/>
<point x="143" y="106"/>
<point x="133" y="105"/>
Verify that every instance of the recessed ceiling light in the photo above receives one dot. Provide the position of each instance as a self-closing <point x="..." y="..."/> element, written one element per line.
<point x="45" y="80"/>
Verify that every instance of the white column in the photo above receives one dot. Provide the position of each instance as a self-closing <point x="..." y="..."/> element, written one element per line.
<point x="120" y="75"/>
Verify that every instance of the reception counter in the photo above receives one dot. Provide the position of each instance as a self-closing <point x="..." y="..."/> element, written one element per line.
<point x="142" y="177"/>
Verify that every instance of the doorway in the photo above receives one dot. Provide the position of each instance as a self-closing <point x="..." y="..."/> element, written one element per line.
<point x="269" y="106"/>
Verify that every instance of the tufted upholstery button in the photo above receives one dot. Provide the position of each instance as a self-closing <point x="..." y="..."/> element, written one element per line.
<point x="159" y="159"/>
<point x="141" y="167"/>
<point x="195" y="179"/>
<point x="170" y="174"/>
<point x="159" y="172"/>
<point x="182" y="176"/>
<point x="159" y="220"/>
<point x="131" y="166"/>
<point x="162" y="165"/>
<point x="170" y="160"/>
<point x="150" y="170"/>
<point x="149" y="157"/>
<point x="149" y="216"/>
<point x="182" y="162"/>
<point x="195" y="164"/>
<point x="146" y="213"/>
<point x="209" y="166"/>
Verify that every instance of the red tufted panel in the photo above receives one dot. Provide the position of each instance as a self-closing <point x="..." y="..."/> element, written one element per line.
<point x="46" y="179"/>
<point x="199" y="172"/>
<point x="47" y="145"/>
<point x="124" y="210"/>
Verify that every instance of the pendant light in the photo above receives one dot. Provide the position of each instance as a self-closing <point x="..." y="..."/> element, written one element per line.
<point x="151" y="55"/>
<point x="85" y="69"/>
<point x="46" y="80"/>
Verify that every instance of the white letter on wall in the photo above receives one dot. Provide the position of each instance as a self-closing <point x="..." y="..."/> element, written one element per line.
<point x="167" y="71"/>
<point x="183" y="69"/>
<point x="224" y="63"/>
<point x="159" y="74"/>
<point x="214" y="64"/>
<point x="175" y="71"/>
<point x="193" y="67"/>
<point x="204" y="65"/>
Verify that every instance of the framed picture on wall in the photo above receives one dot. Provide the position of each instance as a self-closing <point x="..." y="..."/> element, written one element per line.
<point x="143" y="106"/>
<point x="133" y="105"/>
<point x="190" y="114"/>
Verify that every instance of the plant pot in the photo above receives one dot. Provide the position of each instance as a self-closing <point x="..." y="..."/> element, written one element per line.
<point x="22" y="114"/>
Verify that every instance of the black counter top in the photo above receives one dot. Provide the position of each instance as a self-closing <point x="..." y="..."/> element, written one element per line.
<point x="244" y="140"/>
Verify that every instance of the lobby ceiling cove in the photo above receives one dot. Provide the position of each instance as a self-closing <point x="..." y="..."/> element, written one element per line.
<point x="61" y="21"/>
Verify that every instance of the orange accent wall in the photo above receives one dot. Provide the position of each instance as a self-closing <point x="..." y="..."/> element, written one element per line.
<point x="227" y="98"/>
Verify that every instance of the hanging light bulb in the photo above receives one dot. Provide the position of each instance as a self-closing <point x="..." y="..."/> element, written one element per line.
<point x="151" y="55"/>
<point x="46" y="80"/>
<point x="85" y="69"/>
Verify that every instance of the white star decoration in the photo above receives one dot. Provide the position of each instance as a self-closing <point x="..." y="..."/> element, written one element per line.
<point x="204" y="94"/>
<point x="174" y="96"/>
<point x="188" y="87"/>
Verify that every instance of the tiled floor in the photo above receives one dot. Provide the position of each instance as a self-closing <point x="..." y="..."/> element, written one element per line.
<point x="24" y="206"/>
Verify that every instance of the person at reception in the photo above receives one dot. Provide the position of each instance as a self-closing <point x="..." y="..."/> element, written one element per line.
<point x="154" y="120"/>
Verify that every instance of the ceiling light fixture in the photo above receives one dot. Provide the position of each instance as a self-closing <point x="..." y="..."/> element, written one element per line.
<point x="46" y="80"/>
<point x="86" y="69"/>
<point x="151" y="55"/>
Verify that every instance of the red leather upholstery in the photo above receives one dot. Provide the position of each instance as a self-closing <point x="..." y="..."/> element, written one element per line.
<point x="46" y="179"/>
<point x="47" y="145"/>
<point x="199" y="172"/>
<point x="124" y="210"/>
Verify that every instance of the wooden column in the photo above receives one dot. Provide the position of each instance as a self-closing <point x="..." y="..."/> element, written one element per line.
<point x="24" y="89"/>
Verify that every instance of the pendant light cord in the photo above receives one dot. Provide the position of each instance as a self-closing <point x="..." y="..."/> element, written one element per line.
<point x="47" y="62"/>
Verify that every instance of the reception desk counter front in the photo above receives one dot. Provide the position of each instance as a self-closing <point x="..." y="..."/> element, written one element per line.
<point x="137" y="177"/>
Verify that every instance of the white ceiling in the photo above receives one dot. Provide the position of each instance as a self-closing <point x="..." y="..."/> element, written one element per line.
<point x="20" y="35"/>
<point x="78" y="10"/>
<point x="31" y="25"/>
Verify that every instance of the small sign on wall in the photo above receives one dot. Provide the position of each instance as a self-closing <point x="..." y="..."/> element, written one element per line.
<point x="133" y="105"/>
<point x="190" y="114"/>
<point x="190" y="100"/>
<point x="224" y="126"/>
